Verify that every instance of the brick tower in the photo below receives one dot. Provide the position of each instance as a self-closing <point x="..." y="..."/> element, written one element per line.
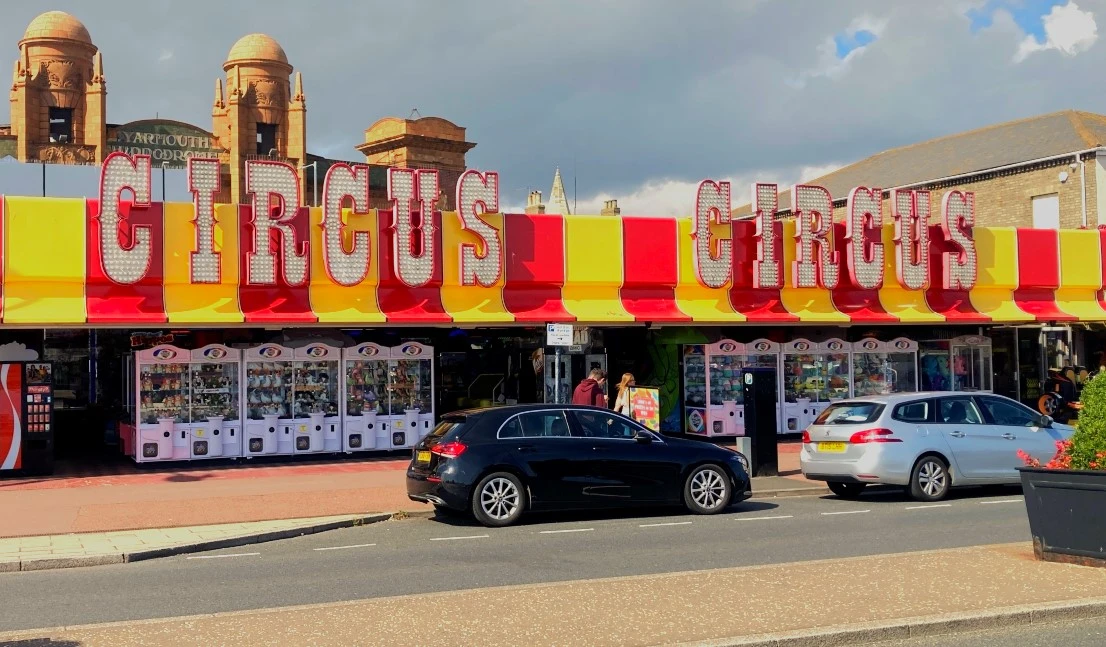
<point x="261" y="115"/>
<point x="58" y="93"/>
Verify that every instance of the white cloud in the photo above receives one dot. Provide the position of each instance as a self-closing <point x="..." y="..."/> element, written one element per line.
<point x="668" y="197"/>
<point x="166" y="54"/>
<point x="830" y="63"/>
<point x="1068" y="29"/>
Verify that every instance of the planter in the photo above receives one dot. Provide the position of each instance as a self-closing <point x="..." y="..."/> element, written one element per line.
<point x="1065" y="509"/>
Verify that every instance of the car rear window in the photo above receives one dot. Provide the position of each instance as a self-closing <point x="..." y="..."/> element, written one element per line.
<point x="850" y="413"/>
<point x="912" y="411"/>
<point x="446" y="426"/>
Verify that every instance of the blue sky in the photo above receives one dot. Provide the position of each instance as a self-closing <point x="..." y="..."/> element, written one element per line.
<point x="1027" y="15"/>
<point x="847" y="42"/>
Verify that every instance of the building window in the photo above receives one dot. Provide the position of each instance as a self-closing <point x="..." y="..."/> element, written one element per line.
<point x="266" y="138"/>
<point x="61" y="125"/>
<point x="1046" y="211"/>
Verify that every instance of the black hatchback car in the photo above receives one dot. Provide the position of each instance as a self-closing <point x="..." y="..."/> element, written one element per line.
<point x="498" y="463"/>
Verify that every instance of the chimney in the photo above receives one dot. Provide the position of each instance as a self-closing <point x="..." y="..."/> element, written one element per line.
<point x="533" y="203"/>
<point x="610" y="208"/>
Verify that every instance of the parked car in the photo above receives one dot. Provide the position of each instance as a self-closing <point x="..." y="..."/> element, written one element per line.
<point x="499" y="462"/>
<point x="926" y="442"/>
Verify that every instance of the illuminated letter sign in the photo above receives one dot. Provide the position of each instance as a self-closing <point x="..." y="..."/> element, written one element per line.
<point x="125" y="265"/>
<point x="813" y="209"/>
<point x="203" y="182"/>
<point x="911" y="238"/>
<point x="959" y="266"/>
<point x="865" y="260"/>
<point x="342" y="181"/>
<point x="276" y="197"/>
<point x="713" y="262"/>
<point x="477" y="194"/>
<point x="413" y="250"/>
<point x="767" y="268"/>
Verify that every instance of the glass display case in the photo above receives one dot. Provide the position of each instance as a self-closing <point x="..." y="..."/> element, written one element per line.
<point x="162" y="404"/>
<point x="970" y="358"/>
<point x="366" y="397"/>
<point x="215" y="425"/>
<point x="882" y="368"/>
<point x="316" y="383"/>
<point x="268" y="375"/>
<point x="813" y="376"/>
<point x="695" y="388"/>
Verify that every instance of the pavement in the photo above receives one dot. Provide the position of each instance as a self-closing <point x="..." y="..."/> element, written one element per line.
<point x="1086" y="632"/>
<point x="97" y="549"/>
<point x="841" y="600"/>
<point x="125" y="496"/>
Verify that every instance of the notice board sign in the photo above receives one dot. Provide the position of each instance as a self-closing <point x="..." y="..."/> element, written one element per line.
<point x="645" y="406"/>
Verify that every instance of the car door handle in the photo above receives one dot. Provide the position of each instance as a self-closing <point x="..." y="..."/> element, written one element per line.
<point x="527" y="449"/>
<point x="1009" y="436"/>
<point x="956" y="434"/>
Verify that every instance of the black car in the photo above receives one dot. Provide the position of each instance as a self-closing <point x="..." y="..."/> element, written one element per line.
<point x="497" y="463"/>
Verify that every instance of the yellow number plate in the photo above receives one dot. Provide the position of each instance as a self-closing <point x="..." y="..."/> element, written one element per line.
<point x="423" y="457"/>
<point x="832" y="448"/>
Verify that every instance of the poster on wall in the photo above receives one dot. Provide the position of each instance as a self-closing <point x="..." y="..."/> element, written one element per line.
<point x="645" y="406"/>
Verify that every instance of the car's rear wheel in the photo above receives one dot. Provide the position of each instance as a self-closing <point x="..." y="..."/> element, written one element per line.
<point x="707" y="490"/>
<point x="846" y="490"/>
<point x="930" y="480"/>
<point x="499" y="500"/>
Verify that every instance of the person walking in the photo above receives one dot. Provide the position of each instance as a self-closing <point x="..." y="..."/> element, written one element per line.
<point x="589" y="391"/>
<point x="622" y="401"/>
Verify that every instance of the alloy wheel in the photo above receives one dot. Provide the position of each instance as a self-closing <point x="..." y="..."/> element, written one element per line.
<point x="708" y="489"/>
<point x="499" y="498"/>
<point x="932" y="478"/>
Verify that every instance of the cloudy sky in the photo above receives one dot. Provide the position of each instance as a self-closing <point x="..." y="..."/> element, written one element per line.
<point x="638" y="99"/>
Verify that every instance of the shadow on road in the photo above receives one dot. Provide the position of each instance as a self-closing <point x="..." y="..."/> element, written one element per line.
<point x="460" y="519"/>
<point x="899" y="495"/>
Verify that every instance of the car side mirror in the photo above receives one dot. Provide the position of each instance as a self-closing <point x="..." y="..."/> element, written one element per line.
<point x="1044" y="422"/>
<point x="643" y="437"/>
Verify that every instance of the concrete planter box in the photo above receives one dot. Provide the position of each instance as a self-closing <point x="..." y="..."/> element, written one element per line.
<point x="1065" y="509"/>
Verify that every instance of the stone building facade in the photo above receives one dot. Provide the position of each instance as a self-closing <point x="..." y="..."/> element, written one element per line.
<point x="59" y="115"/>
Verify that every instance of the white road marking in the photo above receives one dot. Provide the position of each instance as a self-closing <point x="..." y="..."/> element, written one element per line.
<point x="219" y="556"/>
<point x="456" y="538"/>
<point x="782" y="516"/>
<point x="557" y="532"/>
<point x="927" y="507"/>
<point x="663" y="525"/>
<point x="1003" y="501"/>
<point x="345" y="547"/>
<point x="827" y="514"/>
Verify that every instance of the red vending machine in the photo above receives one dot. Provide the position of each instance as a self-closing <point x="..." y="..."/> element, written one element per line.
<point x="27" y="417"/>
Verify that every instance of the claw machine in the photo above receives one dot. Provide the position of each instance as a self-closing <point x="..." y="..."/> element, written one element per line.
<point x="814" y="375"/>
<point x="316" y="383"/>
<point x="267" y="386"/>
<point x="162" y="383"/>
<point x="883" y="368"/>
<point x="366" y="397"/>
<point x="410" y="394"/>
<point x="215" y="415"/>
<point x="970" y="360"/>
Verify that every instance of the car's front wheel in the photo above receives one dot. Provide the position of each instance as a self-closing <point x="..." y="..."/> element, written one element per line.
<point x="707" y="490"/>
<point x="499" y="500"/>
<point x="846" y="490"/>
<point x="930" y="480"/>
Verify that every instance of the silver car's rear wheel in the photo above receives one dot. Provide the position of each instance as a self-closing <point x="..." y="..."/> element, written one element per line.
<point x="930" y="480"/>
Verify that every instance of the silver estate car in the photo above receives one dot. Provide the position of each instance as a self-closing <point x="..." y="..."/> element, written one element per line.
<point x="926" y="442"/>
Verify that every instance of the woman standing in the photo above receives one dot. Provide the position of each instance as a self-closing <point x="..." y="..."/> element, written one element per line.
<point x="622" y="402"/>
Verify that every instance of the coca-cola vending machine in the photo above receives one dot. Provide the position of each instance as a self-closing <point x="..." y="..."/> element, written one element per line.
<point x="27" y="417"/>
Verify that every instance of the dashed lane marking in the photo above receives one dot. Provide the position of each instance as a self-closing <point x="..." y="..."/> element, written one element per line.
<point x="345" y="547"/>
<point x="927" y="507"/>
<point x="458" y="538"/>
<point x="558" y="532"/>
<point x="1002" y="501"/>
<point x="665" y="525"/>
<point x="779" y="516"/>
<point x="221" y="556"/>
<point x="830" y="514"/>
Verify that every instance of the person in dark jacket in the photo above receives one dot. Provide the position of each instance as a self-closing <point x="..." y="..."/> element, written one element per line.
<point x="590" y="391"/>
